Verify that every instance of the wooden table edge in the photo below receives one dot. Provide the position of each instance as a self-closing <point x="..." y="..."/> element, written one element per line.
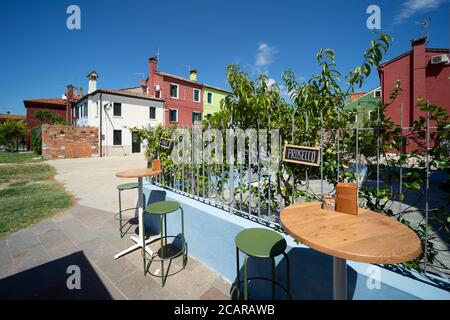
<point x="123" y="174"/>
<point x="354" y="257"/>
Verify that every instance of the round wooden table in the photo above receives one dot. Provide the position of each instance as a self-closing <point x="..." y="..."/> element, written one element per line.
<point x="367" y="237"/>
<point x="139" y="174"/>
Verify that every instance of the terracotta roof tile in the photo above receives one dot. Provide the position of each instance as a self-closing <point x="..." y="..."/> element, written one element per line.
<point x="13" y="116"/>
<point x="177" y="77"/>
<point x="357" y="95"/>
<point x="56" y="101"/>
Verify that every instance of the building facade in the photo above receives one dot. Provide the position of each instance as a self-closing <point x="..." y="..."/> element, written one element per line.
<point x="365" y="104"/>
<point x="7" y="116"/>
<point x="183" y="98"/>
<point x="422" y="72"/>
<point x="62" y="107"/>
<point x="115" y="112"/>
<point x="212" y="97"/>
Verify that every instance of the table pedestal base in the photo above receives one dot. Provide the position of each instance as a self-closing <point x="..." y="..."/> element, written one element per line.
<point x="339" y="279"/>
<point x="137" y="246"/>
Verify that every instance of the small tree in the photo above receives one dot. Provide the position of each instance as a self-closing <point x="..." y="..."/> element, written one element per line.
<point x="46" y="117"/>
<point x="12" y="133"/>
<point x="43" y="117"/>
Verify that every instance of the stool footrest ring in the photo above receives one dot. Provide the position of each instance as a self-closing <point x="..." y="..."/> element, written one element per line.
<point x="238" y="285"/>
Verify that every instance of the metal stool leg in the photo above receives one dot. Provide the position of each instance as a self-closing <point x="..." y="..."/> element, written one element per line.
<point x="120" y="214"/>
<point x="238" y="276"/>
<point x="142" y="236"/>
<point x="273" y="278"/>
<point x="163" y="255"/>
<point x="288" y="275"/>
<point x="183" y="238"/>
<point x="245" y="278"/>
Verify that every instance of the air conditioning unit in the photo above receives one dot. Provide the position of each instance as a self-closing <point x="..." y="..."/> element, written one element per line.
<point x="157" y="87"/>
<point x="443" y="58"/>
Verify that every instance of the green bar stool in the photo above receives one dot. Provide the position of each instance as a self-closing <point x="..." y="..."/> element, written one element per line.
<point x="162" y="209"/>
<point x="123" y="187"/>
<point x="260" y="243"/>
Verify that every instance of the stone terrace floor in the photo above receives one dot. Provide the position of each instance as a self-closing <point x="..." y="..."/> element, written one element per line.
<point x="34" y="261"/>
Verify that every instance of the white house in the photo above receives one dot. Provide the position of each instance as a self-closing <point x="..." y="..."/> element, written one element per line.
<point x="114" y="112"/>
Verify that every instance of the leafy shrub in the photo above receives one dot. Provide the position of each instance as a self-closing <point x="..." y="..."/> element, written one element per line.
<point x="36" y="139"/>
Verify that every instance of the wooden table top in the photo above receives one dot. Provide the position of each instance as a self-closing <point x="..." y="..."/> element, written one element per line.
<point x="368" y="237"/>
<point x="137" y="173"/>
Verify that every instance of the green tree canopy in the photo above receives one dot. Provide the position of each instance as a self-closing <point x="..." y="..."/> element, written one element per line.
<point x="12" y="133"/>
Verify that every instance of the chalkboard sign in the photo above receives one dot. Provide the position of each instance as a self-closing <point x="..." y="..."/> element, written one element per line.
<point x="301" y="155"/>
<point x="165" y="143"/>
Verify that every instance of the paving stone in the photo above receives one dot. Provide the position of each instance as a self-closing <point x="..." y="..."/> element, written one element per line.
<point x="222" y="285"/>
<point x="76" y="232"/>
<point x="191" y="284"/>
<point x="214" y="294"/>
<point x="136" y="286"/>
<point x="7" y="270"/>
<point x="43" y="227"/>
<point x="97" y="250"/>
<point x="5" y="254"/>
<point x="57" y="243"/>
<point x="21" y="240"/>
<point x="6" y="262"/>
<point x="30" y="258"/>
<point x="116" y="270"/>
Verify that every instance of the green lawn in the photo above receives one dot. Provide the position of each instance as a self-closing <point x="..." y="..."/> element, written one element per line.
<point x="19" y="157"/>
<point x="28" y="193"/>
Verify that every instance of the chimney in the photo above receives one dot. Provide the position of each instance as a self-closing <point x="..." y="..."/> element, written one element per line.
<point x="69" y="93"/>
<point x="193" y="75"/>
<point x="153" y="65"/>
<point x="418" y="83"/>
<point x="93" y="76"/>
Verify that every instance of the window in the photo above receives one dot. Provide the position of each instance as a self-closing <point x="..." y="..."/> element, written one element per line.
<point x="96" y="109"/>
<point x="173" y="115"/>
<point x="117" y="137"/>
<point x="377" y="94"/>
<point x="117" y="109"/>
<point x="210" y="98"/>
<point x="196" y="117"/>
<point x="174" y="91"/>
<point x="196" y="95"/>
<point x="152" y="113"/>
<point x="85" y="110"/>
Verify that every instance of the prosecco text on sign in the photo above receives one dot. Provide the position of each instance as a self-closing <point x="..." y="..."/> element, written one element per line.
<point x="165" y="143"/>
<point x="301" y="155"/>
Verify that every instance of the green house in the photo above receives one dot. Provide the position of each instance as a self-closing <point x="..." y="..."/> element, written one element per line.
<point x="212" y="96"/>
<point x="364" y="104"/>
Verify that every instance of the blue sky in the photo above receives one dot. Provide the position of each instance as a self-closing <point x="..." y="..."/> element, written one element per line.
<point x="40" y="56"/>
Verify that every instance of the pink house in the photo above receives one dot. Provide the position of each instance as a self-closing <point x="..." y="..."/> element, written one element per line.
<point x="183" y="103"/>
<point x="422" y="72"/>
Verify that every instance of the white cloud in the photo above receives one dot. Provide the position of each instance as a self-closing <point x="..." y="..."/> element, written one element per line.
<point x="270" y="82"/>
<point x="411" y="7"/>
<point x="265" y="55"/>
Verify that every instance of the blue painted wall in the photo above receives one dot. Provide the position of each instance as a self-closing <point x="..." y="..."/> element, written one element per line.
<point x="210" y="234"/>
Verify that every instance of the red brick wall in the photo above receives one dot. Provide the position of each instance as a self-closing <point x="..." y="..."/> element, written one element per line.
<point x="59" y="142"/>
<point x="31" y="120"/>
<point x="418" y="78"/>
